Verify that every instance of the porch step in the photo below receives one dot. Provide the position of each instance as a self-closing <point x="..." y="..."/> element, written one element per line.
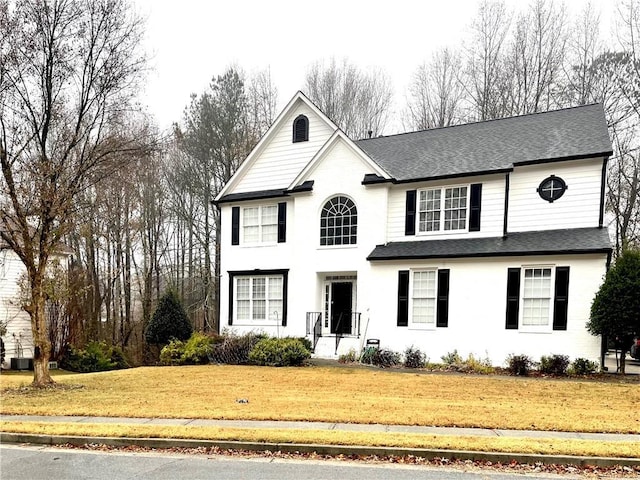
<point x="326" y="347"/>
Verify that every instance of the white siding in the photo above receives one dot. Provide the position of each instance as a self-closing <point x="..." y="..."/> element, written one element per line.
<point x="477" y="310"/>
<point x="491" y="212"/>
<point x="578" y="207"/>
<point x="17" y="320"/>
<point x="281" y="160"/>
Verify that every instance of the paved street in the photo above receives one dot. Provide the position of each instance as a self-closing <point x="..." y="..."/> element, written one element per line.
<point x="19" y="462"/>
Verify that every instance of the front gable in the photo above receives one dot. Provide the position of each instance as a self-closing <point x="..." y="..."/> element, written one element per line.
<point x="280" y="156"/>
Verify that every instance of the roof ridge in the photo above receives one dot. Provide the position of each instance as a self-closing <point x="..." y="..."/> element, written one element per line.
<point x="477" y="122"/>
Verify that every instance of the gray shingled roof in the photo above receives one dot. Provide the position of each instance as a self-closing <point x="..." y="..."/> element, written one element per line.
<point x="495" y="145"/>
<point x="580" y="240"/>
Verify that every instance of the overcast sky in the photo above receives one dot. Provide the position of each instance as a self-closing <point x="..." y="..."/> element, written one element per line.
<point x="190" y="41"/>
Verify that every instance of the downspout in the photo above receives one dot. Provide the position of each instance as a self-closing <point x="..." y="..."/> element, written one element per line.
<point x="506" y="206"/>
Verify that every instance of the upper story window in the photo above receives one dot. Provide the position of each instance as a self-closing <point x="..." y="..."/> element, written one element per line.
<point x="300" y="129"/>
<point x="552" y="188"/>
<point x="339" y="222"/>
<point x="442" y="209"/>
<point x="260" y="224"/>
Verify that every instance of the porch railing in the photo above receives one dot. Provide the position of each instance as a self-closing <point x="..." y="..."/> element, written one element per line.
<point x="354" y="330"/>
<point x="314" y="325"/>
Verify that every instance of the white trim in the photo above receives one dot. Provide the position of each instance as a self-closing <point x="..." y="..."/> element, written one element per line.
<point x="266" y="138"/>
<point x="315" y="160"/>
<point x="267" y="321"/>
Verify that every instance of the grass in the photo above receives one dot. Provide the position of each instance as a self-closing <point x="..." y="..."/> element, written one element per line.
<point x="332" y="394"/>
<point x="335" y="395"/>
<point x="445" y="442"/>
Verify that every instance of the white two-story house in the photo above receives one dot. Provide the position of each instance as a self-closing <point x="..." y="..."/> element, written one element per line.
<point x="485" y="238"/>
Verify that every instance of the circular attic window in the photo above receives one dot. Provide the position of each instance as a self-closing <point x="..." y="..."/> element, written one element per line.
<point x="552" y="188"/>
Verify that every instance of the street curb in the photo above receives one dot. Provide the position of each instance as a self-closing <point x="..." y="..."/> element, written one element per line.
<point x="333" y="450"/>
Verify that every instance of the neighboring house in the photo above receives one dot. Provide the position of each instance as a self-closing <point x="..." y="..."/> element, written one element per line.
<point x="14" y="321"/>
<point x="485" y="238"/>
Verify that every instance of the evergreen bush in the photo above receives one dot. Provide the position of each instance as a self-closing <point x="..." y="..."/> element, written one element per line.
<point x="279" y="352"/>
<point x="169" y="321"/>
<point x="95" y="357"/>
<point x="583" y="366"/>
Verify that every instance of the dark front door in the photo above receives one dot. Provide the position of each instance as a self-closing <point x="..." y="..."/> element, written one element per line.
<point x="341" y="298"/>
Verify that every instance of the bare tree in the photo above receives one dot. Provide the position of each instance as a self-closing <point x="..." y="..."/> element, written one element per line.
<point x="69" y="68"/>
<point x="583" y="47"/>
<point x="484" y="55"/>
<point x="262" y="99"/>
<point x="436" y="92"/>
<point x="357" y="101"/>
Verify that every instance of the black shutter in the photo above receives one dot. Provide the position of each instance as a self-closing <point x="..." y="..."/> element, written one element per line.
<point x="230" y="300"/>
<point x="403" y="298"/>
<point x="513" y="298"/>
<point x="282" y="222"/>
<point x="443" y="298"/>
<point x="410" y="213"/>
<point x="235" y="226"/>
<point x="285" y="297"/>
<point x="561" y="299"/>
<point x="474" y="211"/>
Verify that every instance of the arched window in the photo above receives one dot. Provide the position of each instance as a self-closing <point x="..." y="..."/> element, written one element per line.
<point x="300" y="129"/>
<point x="339" y="222"/>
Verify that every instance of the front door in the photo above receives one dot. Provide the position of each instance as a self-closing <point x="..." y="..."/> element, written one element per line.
<point x="341" y="301"/>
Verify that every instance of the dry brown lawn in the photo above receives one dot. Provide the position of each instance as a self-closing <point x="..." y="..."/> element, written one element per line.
<point x="336" y="395"/>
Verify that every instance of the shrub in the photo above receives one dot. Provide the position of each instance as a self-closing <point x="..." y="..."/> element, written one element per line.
<point x="169" y="321"/>
<point x="414" y="358"/>
<point x="554" y="364"/>
<point x="198" y="349"/>
<point x="583" y="366"/>
<point x="451" y="358"/>
<point x="172" y="353"/>
<point x="349" y="357"/>
<point x="279" y="352"/>
<point x="233" y="349"/>
<point x="380" y="357"/>
<point x="95" y="357"/>
<point x="476" y="365"/>
<point x="519" y="365"/>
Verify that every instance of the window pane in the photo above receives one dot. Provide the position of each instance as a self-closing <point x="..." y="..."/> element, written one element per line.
<point x="429" y="211"/>
<point x="455" y="208"/>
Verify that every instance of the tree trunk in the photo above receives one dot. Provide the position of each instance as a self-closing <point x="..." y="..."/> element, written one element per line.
<point x="41" y="343"/>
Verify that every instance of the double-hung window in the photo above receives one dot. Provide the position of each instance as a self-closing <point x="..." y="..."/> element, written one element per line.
<point x="423" y="298"/>
<point x="260" y="224"/>
<point x="442" y="209"/>
<point x="259" y="298"/>
<point x="536" y="297"/>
